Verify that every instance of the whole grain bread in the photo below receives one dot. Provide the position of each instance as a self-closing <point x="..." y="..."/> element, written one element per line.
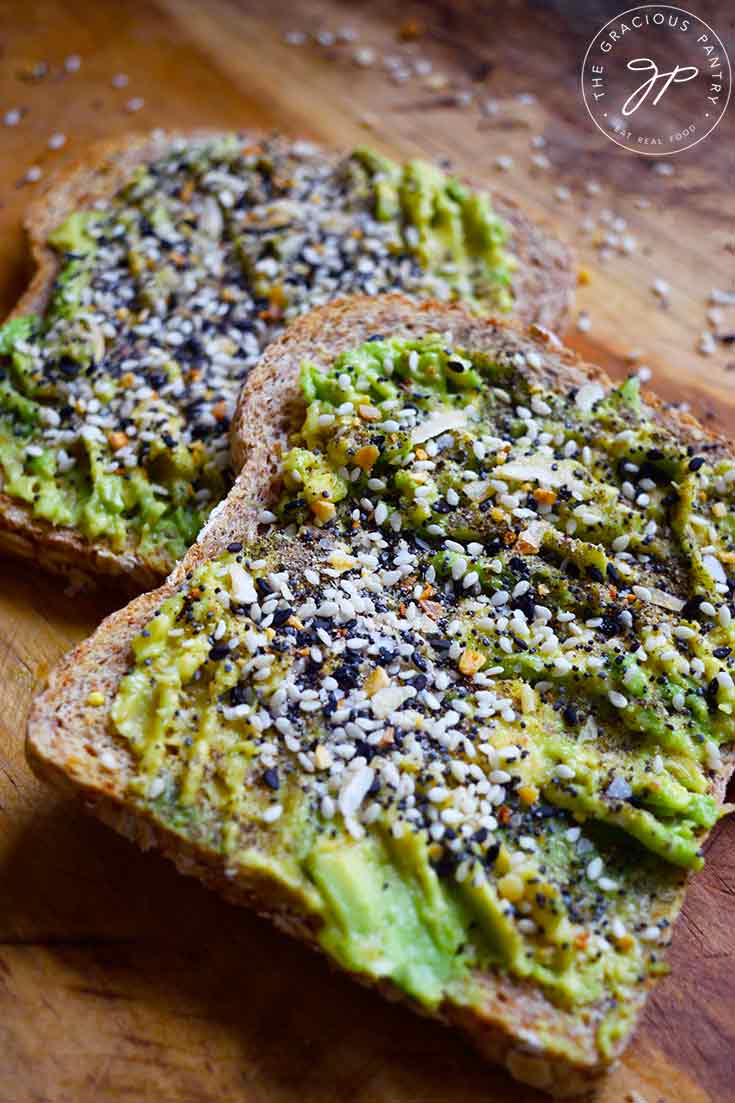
<point x="71" y="745"/>
<point x="542" y="285"/>
<point x="98" y="175"/>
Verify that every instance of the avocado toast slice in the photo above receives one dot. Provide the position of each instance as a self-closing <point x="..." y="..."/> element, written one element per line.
<point x="165" y="264"/>
<point x="443" y="688"/>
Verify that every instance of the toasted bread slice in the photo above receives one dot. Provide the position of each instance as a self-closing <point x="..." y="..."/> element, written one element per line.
<point x="542" y="285"/>
<point x="72" y="743"/>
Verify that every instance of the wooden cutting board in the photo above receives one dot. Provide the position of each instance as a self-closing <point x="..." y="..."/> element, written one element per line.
<point x="120" y="980"/>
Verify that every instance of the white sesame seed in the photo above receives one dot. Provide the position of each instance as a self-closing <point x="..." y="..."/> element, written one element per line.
<point x="499" y="777"/>
<point x="528" y="701"/>
<point x="618" y="700"/>
<point x="594" y="869"/>
<point x="364" y="57"/>
<point x="57" y="140"/>
<point x="722" y="298"/>
<point x="135" y="104"/>
<point x="712" y="755"/>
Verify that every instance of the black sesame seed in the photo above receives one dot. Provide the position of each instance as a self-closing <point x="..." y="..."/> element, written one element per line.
<point x="690" y="609"/>
<point x="68" y="367"/>
<point x="613" y="575"/>
<point x="491" y="853"/>
<point x="238" y="695"/>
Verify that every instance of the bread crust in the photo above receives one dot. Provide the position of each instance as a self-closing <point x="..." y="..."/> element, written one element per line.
<point x="543" y="285"/>
<point x="68" y="740"/>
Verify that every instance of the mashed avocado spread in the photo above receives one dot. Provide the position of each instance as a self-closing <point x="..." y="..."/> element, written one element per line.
<point x="463" y="699"/>
<point x="115" y="405"/>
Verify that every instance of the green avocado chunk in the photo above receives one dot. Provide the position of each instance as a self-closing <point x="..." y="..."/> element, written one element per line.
<point x="383" y="921"/>
<point x="451" y="229"/>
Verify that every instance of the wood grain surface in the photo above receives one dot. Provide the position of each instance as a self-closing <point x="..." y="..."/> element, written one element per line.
<point x="120" y="980"/>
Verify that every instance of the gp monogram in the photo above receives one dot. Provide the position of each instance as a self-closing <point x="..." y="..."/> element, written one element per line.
<point x="656" y="80"/>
